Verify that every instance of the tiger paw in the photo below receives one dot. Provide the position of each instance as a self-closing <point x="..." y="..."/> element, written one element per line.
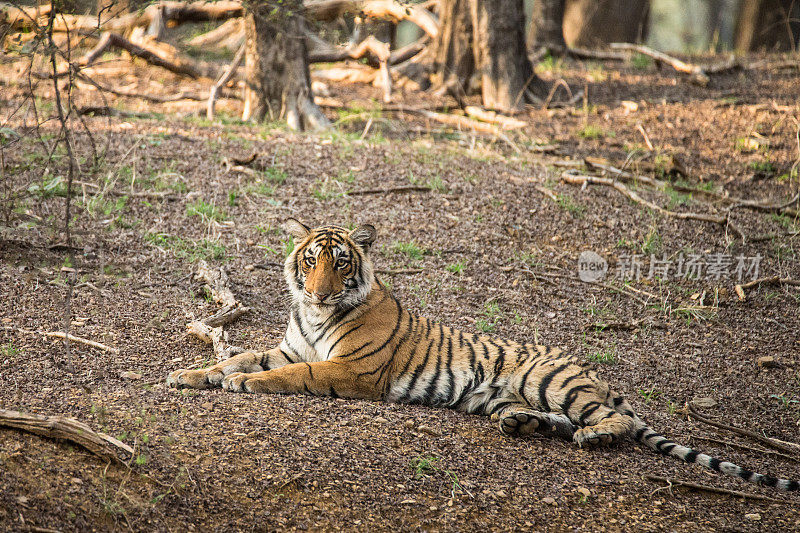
<point x="521" y="423"/>
<point x="205" y="378"/>
<point x="588" y="437"/>
<point x="243" y="382"/>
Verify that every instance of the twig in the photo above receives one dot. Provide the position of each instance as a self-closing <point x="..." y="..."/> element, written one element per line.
<point x="646" y="137"/>
<point x="80" y="340"/>
<point x="404" y="188"/>
<point x="547" y="192"/>
<point x="723" y="221"/>
<point x="748" y="448"/>
<point x="57" y="427"/>
<point x="771" y="280"/>
<point x="716" y="490"/>
<point x="767" y="441"/>
<point x="225" y="78"/>
<point x="393" y="271"/>
<point x="697" y="74"/>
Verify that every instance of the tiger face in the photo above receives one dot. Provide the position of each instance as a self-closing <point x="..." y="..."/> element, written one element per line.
<point x="329" y="266"/>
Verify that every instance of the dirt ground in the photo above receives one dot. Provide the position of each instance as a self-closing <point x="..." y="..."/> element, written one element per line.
<point x="483" y="249"/>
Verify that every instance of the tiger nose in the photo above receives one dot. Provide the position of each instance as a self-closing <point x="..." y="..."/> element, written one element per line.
<point x="321" y="295"/>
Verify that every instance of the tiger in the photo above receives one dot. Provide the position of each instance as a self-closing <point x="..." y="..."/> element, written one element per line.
<point x="349" y="337"/>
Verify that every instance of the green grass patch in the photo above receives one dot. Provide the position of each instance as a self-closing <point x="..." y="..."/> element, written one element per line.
<point x="192" y="251"/>
<point x="411" y="249"/>
<point x="206" y="211"/>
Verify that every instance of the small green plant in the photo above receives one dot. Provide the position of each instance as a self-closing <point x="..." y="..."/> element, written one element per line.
<point x="649" y="395"/>
<point x="141" y="460"/>
<point x="288" y="245"/>
<point x="640" y="61"/>
<point x="677" y="198"/>
<point x="492" y="310"/>
<point x="484" y="325"/>
<point x="765" y="168"/>
<point x="429" y="466"/>
<point x="786" y="401"/>
<point x="606" y="356"/>
<point x="652" y="242"/>
<point x="566" y="203"/>
<point x="232" y="198"/>
<point x="206" y="211"/>
<point x="411" y="249"/>
<point x="592" y="132"/>
<point x="9" y="350"/>
<point x="457" y="267"/>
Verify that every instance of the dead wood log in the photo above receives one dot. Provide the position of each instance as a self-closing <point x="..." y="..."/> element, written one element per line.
<point x="219" y="35"/>
<point x="370" y="45"/>
<point x="61" y="428"/>
<point x="210" y="330"/>
<point x="13" y="18"/>
<point x="160" y="55"/>
<point x="697" y="74"/>
<point x="327" y="10"/>
<point x="170" y="13"/>
<point x="506" y="123"/>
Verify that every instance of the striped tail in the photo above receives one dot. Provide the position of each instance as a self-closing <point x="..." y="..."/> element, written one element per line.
<point x="661" y="444"/>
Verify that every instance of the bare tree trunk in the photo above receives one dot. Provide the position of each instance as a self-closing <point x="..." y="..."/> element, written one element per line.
<point x="767" y="24"/>
<point x="592" y="23"/>
<point x="507" y="76"/>
<point x="547" y="23"/>
<point x="452" y="51"/>
<point x="278" y="84"/>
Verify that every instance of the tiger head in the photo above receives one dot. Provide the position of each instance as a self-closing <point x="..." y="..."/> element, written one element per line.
<point x="329" y="266"/>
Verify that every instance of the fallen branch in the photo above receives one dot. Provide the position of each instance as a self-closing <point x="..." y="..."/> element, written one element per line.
<point x="217" y="35"/>
<point x="328" y="10"/>
<point x="80" y="340"/>
<point x="748" y="448"/>
<point x="772" y="280"/>
<point x="210" y="330"/>
<point x="716" y="490"/>
<point x="697" y="74"/>
<point x="576" y="179"/>
<point x="58" y="427"/>
<point x="177" y="64"/>
<point x="395" y="271"/>
<point x="506" y="123"/>
<point x="404" y="188"/>
<point x="171" y="13"/>
<point x="547" y="192"/>
<point x="225" y="78"/>
<point x="788" y="447"/>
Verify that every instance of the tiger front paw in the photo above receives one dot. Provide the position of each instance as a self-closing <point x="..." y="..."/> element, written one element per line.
<point x="205" y="378"/>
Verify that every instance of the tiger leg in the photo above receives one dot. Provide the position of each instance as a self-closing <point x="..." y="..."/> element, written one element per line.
<point x="207" y="378"/>
<point x="320" y="378"/>
<point x="603" y="425"/>
<point x="519" y="419"/>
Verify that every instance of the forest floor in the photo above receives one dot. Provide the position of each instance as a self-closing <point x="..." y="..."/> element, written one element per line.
<point x="487" y="250"/>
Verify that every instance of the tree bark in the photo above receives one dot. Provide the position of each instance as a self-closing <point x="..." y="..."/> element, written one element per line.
<point x="507" y="76"/>
<point x="594" y="23"/>
<point x="547" y="23"/>
<point x="277" y="81"/>
<point x="767" y="24"/>
<point x="452" y="50"/>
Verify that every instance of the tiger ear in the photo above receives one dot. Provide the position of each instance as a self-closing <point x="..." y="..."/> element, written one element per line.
<point x="295" y="228"/>
<point x="364" y="236"/>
